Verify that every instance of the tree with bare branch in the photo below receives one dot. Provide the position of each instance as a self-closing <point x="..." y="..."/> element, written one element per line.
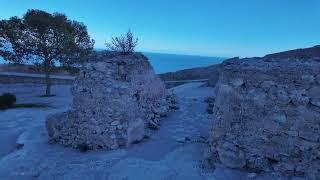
<point x="124" y="44"/>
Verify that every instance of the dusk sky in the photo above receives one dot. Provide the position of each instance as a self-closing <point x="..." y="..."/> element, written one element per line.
<point x="197" y="27"/>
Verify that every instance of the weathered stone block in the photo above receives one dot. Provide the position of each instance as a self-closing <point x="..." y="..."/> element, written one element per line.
<point x="114" y="97"/>
<point x="267" y="116"/>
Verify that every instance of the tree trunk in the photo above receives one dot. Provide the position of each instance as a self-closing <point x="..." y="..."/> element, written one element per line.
<point x="47" y="69"/>
<point x="48" y="83"/>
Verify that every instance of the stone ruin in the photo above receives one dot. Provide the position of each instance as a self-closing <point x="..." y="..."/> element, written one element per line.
<point x="267" y="116"/>
<point x="115" y="97"/>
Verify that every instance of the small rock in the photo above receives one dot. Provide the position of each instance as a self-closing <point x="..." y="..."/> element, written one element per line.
<point x="113" y="136"/>
<point x="184" y="140"/>
<point x="100" y="66"/>
<point x="282" y="96"/>
<point x="146" y="137"/>
<point x="280" y="118"/>
<point x="231" y="156"/>
<point x="237" y="82"/>
<point x="292" y="133"/>
<point x="108" y="90"/>
<point x="115" y="123"/>
<point x="315" y="102"/>
<point x="19" y="146"/>
<point x="115" y="146"/>
<point x="308" y="78"/>
<point x="314" y="94"/>
<point x="160" y="111"/>
<point x="298" y="97"/>
<point x="83" y="147"/>
<point x="310" y="136"/>
<point x="252" y="175"/>
<point x="152" y="125"/>
<point x="52" y="121"/>
<point x="267" y="84"/>
<point x="209" y="99"/>
<point x="135" y="131"/>
<point x="318" y="79"/>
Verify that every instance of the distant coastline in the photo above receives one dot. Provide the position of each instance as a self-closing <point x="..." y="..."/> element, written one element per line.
<point x="163" y="63"/>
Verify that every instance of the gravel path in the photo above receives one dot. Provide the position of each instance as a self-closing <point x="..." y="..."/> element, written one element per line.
<point x="172" y="152"/>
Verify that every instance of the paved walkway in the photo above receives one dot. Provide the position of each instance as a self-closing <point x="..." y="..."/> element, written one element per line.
<point x="36" y="75"/>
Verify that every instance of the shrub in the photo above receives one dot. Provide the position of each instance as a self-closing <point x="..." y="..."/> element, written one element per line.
<point x="124" y="44"/>
<point x="83" y="147"/>
<point x="7" y="100"/>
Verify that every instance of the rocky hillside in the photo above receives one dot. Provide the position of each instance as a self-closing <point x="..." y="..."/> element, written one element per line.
<point x="212" y="72"/>
<point x="312" y="52"/>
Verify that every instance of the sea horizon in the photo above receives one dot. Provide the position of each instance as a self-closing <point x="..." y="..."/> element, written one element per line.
<point x="167" y="62"/>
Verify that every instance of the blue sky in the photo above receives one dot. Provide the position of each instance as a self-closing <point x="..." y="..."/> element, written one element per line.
<point x="198" y="27"/>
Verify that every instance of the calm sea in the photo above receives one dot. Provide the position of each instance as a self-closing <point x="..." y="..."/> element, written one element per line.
<point x="170" y="62"/>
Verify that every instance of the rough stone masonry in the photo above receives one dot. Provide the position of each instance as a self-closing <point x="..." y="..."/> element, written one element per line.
<point x="114" y="98"/>
<point x="267" y="116"/>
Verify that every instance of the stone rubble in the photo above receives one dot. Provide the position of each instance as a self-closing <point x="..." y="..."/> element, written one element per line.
<point x="267" y="116"/>
<point x="115" y="97"/>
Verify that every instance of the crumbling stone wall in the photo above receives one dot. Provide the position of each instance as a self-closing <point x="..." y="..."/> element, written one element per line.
<point x="267" y="116"/>
<point x="114" y="98"/>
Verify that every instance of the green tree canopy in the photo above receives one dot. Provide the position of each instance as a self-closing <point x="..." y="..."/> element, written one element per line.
<point x="44" y="39"/>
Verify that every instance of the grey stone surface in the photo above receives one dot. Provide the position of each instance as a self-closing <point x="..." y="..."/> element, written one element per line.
<point x="231" y="156"/>
<point x="114" y="98"/>
<point x="267" y="116"/>
<point x="136" y="131"/>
